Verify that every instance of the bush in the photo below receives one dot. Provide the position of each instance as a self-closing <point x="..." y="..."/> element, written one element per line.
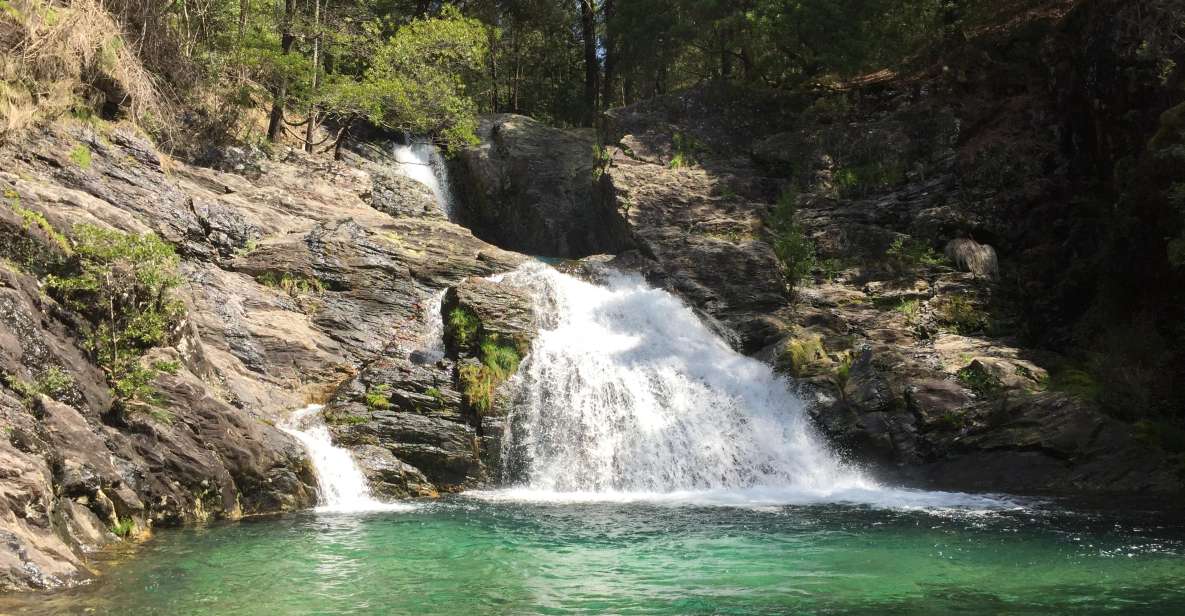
<point x="123" y="284"/>
<point x="794" y="250"/>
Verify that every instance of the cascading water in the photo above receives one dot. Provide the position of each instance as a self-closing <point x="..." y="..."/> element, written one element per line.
<point x="343" y="486"/>
<point x="627" y="394"/>
<point x="423" y="162"/>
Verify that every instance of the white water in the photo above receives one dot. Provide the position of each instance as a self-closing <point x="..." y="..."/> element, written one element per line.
<point x="431" y="343"/>
<point x="342" y="484"/>
<point x="424" y="163"/>
<point x="626" y="395"/>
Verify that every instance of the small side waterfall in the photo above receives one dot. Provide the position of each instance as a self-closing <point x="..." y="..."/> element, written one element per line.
<point x="423" y="162"/>
<point x="343" y="486"/>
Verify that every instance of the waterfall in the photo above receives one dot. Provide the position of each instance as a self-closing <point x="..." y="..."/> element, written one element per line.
<point x="423" y="162"/>
<point x="430" y="347"/>
<point x="626" y="394"/>
<point x="342" y="484"/>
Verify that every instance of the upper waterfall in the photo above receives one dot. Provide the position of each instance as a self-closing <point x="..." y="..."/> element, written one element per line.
<point x="626" y="390"/>
<point x="423" y="162"/>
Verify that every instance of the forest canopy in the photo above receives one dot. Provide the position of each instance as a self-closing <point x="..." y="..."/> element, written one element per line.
<point x="429" y="66"/>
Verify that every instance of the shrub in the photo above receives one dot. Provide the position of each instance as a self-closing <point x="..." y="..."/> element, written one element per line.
<point x="123" y="284"/>
<point x="794" y="250"/>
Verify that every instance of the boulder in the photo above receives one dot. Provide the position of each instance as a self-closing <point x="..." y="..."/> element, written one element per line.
<point x="533" y="188"/>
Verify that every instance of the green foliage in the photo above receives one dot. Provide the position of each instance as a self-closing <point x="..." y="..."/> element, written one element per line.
<point x="962" y="315"/>
<point x="907" y="254"/>
<point x="294" y="284"/>
<point x="462" y="327"/>
<point x="377" y="397"/>
<point x="686" y="152"/>
<point x="794" y="250"/>
<point x="980" y="381"/>
<point x="124" y="285"/>
<point x="911" y="309"/>
<point x="123" y="527"/>
<point x="860" y="180"/>
<point x="842" y="374"/>
<point x="434" y="393"/>
<point x="800" y="355"/>
<point x="31" y="219"/>
<point x="1075" y="382"/>
<point x="479" y="381"/>
<point x="81" y="155"/>
<point x="417" y="80"/>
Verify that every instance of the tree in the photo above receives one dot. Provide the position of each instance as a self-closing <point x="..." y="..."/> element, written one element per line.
<point x="280" y="93"/>
<point x="592" y="67"/>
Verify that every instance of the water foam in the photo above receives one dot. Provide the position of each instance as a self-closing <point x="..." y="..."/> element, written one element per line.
<point x="627" y="396"/>
<point x="342" y="484"/>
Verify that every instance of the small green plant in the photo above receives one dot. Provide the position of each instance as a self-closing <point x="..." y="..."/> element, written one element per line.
<point x="123" y="527"/>
<point x="377" y="397"/>
<point x="962" y="315"/>
<point x="911" y="309"/>
<point x="686" y="151"/>
<point x="295" y="285"/>
<point x="908" y="254"/>
<point x="859" y="180"/>
<point x="979" y="381"/>
<point x="842" y="375"/>
<point x="1078" y="383"/>
<point x="462" y="327"/>
<point x="794" y="250"/>
<point x="435" y="394"/>
<point x="53" y="382"/>
<point x="479" y="381"/>
<point x="81" y="155"/>
<point x="831" y="269"/>
<point x="800" y="355"/>
<point x="601" y="158"/>
<point x="247" y="248"/>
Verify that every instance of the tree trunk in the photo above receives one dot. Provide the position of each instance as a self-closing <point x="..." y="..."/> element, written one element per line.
<point x="244" y="8"/>
<point x="592" y="68"/>
<point x="311" y="125"/>
<point x="607" y="10"/>
<point x="276" y="122"/>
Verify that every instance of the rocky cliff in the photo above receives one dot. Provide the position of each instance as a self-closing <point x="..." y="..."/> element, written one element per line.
<point x="919" y="329"/>
<point x="303" y="281"/>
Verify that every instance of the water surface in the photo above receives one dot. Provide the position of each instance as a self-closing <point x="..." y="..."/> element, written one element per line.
<point x="468" y="555"/>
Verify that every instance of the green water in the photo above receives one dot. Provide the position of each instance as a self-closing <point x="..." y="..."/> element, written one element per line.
<point x="467" y="556"/>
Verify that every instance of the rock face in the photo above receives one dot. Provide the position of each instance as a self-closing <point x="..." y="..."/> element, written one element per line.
<point x="306" y="282"/>
<point x="531" y="188"/>
<point x="901" y="336"/>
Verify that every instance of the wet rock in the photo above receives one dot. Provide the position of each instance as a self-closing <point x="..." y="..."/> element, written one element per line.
<point x="532" y="188"/>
